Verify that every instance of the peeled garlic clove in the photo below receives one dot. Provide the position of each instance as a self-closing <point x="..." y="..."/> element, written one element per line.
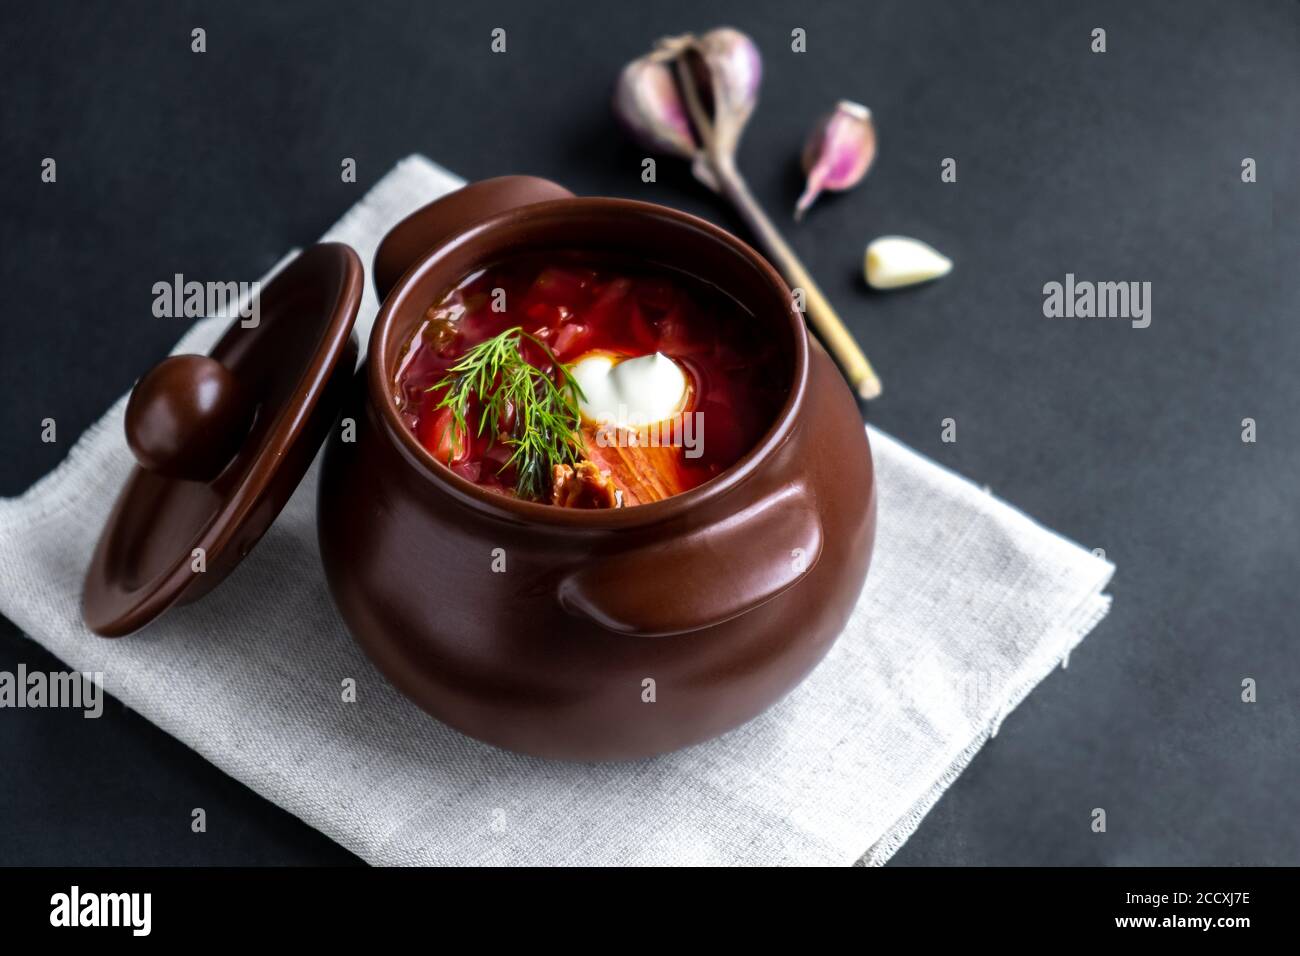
<point x="896" y="261"/>
<point x="647" y="103"/>
<point x="838" y="153"/>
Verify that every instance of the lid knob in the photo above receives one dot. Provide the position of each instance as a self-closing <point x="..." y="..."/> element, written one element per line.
<point x="187" y="418"/>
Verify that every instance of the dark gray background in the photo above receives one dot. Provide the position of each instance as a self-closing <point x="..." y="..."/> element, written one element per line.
<point x="1117" y="166"/>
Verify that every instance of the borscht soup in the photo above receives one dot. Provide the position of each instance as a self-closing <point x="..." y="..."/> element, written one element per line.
<point x="582" y="380"/>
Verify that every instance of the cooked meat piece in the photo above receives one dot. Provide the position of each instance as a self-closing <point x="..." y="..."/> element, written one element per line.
<point x="583" y="486"/>
<point x="644" y="472"/>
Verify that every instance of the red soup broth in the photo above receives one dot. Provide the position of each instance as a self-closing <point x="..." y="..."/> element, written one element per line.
<point x="738" y="368"/>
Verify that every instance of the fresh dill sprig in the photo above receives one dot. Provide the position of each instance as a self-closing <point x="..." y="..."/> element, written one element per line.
<point x="545" y="431"/>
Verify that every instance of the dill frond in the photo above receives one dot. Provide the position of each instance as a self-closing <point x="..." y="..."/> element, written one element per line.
<point x="545" y="431"/>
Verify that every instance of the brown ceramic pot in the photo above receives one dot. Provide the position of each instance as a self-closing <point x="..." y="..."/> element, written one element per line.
<point x="725" y="596"/>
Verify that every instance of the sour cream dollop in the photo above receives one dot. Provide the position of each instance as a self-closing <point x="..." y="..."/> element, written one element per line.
<point x="630" y="392"/>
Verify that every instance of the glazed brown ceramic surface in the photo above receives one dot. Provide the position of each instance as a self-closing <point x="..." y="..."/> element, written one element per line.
<point x="188" y="417"/>
<point x="537" y="628"/>
<point x="223" y="441"/>
<point x="429" y="226"/>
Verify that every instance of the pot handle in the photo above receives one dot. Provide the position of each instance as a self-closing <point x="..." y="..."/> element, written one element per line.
<point x="710" y="576"/>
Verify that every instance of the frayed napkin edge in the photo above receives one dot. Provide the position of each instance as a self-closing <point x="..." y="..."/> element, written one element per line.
<point x="1090" y="613"/>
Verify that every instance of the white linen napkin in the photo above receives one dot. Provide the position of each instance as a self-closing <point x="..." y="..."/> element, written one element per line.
<point x="968" y="605"/>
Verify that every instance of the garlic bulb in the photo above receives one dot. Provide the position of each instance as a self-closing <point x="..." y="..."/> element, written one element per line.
<point x="691" y="97"/>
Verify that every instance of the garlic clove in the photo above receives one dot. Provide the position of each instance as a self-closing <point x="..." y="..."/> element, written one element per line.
<point x="893" y="262"/>
<point x="647" y="103"/>
<point x="736" y="70"/>
<point x="838" y="153"/>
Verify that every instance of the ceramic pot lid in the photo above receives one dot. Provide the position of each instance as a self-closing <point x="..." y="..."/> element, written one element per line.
<point x="222" y="441"/>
